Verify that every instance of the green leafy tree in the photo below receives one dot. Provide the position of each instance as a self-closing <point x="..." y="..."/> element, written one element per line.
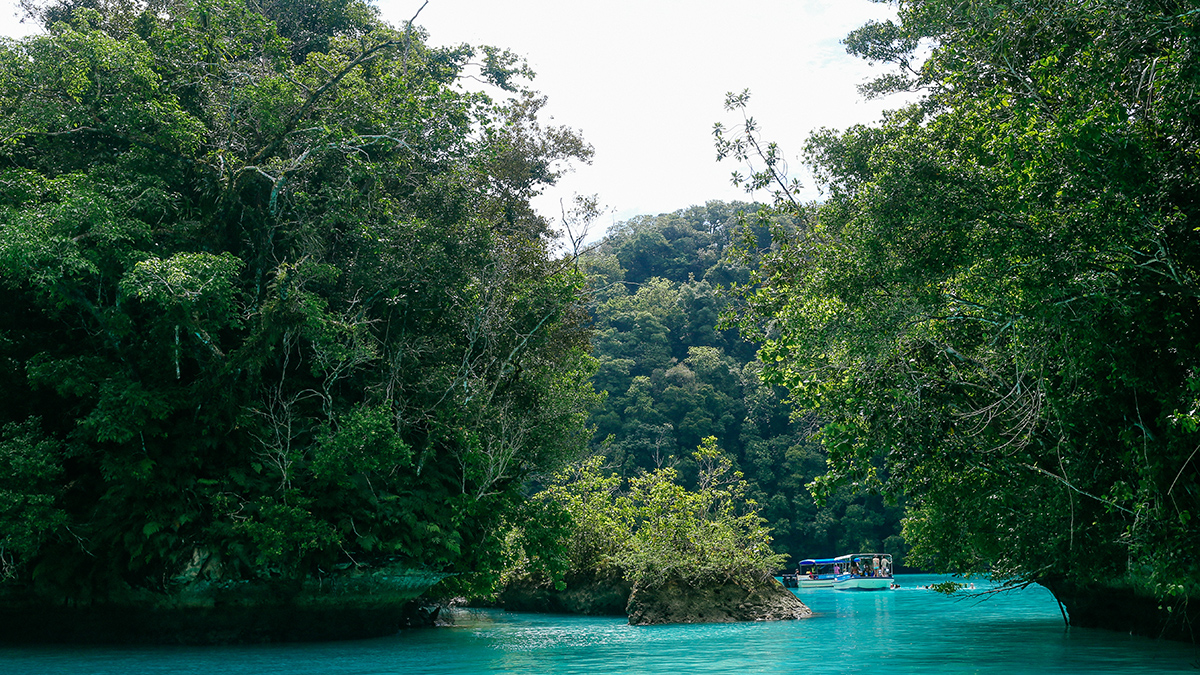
<point x="995" y="310"/>
<point x="277" y="298"/>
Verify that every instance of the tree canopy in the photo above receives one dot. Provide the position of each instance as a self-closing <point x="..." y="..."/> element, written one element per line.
<point x="995" y="309"/>
<point x="277" y="301"/>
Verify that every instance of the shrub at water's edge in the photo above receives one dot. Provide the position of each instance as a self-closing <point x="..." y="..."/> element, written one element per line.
<point x="639" y="539"/>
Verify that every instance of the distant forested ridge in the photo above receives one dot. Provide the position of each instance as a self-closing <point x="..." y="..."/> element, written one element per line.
<point x="276" y="303"/>
<point x="675" y="375"/>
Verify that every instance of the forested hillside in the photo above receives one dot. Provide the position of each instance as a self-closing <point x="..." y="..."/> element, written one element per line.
<point x="674" y="375"/>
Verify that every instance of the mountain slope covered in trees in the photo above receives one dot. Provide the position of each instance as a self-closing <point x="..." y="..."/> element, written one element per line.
<point x="674" y="375"/>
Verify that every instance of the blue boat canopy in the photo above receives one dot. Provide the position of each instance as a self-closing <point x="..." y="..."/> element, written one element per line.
<point x="818" y="561"/>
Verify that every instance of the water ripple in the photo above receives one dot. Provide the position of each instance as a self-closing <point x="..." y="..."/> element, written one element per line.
<point x="911" y="630"/>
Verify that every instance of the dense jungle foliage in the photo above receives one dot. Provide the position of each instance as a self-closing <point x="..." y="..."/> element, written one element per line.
<point x="675" y="374"/>
<point x="277" y="305"/>
<point x="995" y="311"/>
<point x="276" y="301"/>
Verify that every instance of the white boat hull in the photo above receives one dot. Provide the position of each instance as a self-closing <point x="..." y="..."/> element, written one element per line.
<point x="847" y="582"/>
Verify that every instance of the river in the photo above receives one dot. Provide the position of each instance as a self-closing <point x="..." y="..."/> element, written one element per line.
<point x="910" y="630"/>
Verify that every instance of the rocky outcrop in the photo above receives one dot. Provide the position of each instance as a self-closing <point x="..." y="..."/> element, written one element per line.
<point x="353" y="604"/>
<point x="671" y="602"/>
<point x="678" y="602"/>
<point x="598" y="595"/>
<point x="1125" y="610"/>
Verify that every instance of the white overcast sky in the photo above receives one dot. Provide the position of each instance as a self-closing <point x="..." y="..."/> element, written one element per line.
<point x="645" y="80"/>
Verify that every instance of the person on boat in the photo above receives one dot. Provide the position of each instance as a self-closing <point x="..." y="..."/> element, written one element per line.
<point x="875" y="564"/>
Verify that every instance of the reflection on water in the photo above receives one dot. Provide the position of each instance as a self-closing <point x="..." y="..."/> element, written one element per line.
<point x="910" y="630"/>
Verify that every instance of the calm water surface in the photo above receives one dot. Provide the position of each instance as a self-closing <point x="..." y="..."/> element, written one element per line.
<point x="910" y="630"/>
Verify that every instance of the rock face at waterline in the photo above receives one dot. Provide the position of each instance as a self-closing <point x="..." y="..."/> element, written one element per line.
<point x="350" y="605"/>
<point x="677" y="602"/>
<point x="600" y="595"/>
<point x="671" y="602"/>
<point x="1125" y="610"/>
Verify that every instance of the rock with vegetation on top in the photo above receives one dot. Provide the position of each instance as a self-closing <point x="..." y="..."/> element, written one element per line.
<point x="678" y="602"/>
<point x="683" y="555"/>
<point x="597" y="595"/>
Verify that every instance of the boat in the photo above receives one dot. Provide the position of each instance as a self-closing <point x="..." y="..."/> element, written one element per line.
<point x="815" y="573"/>
<point x="863" y="572"/>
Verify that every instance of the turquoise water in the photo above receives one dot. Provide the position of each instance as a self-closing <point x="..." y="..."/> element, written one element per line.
<point x="910" y="630"/>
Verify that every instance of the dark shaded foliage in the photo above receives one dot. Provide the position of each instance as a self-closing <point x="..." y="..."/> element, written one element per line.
<point x="277" y="303"/>
<point x="996" y="312"/>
